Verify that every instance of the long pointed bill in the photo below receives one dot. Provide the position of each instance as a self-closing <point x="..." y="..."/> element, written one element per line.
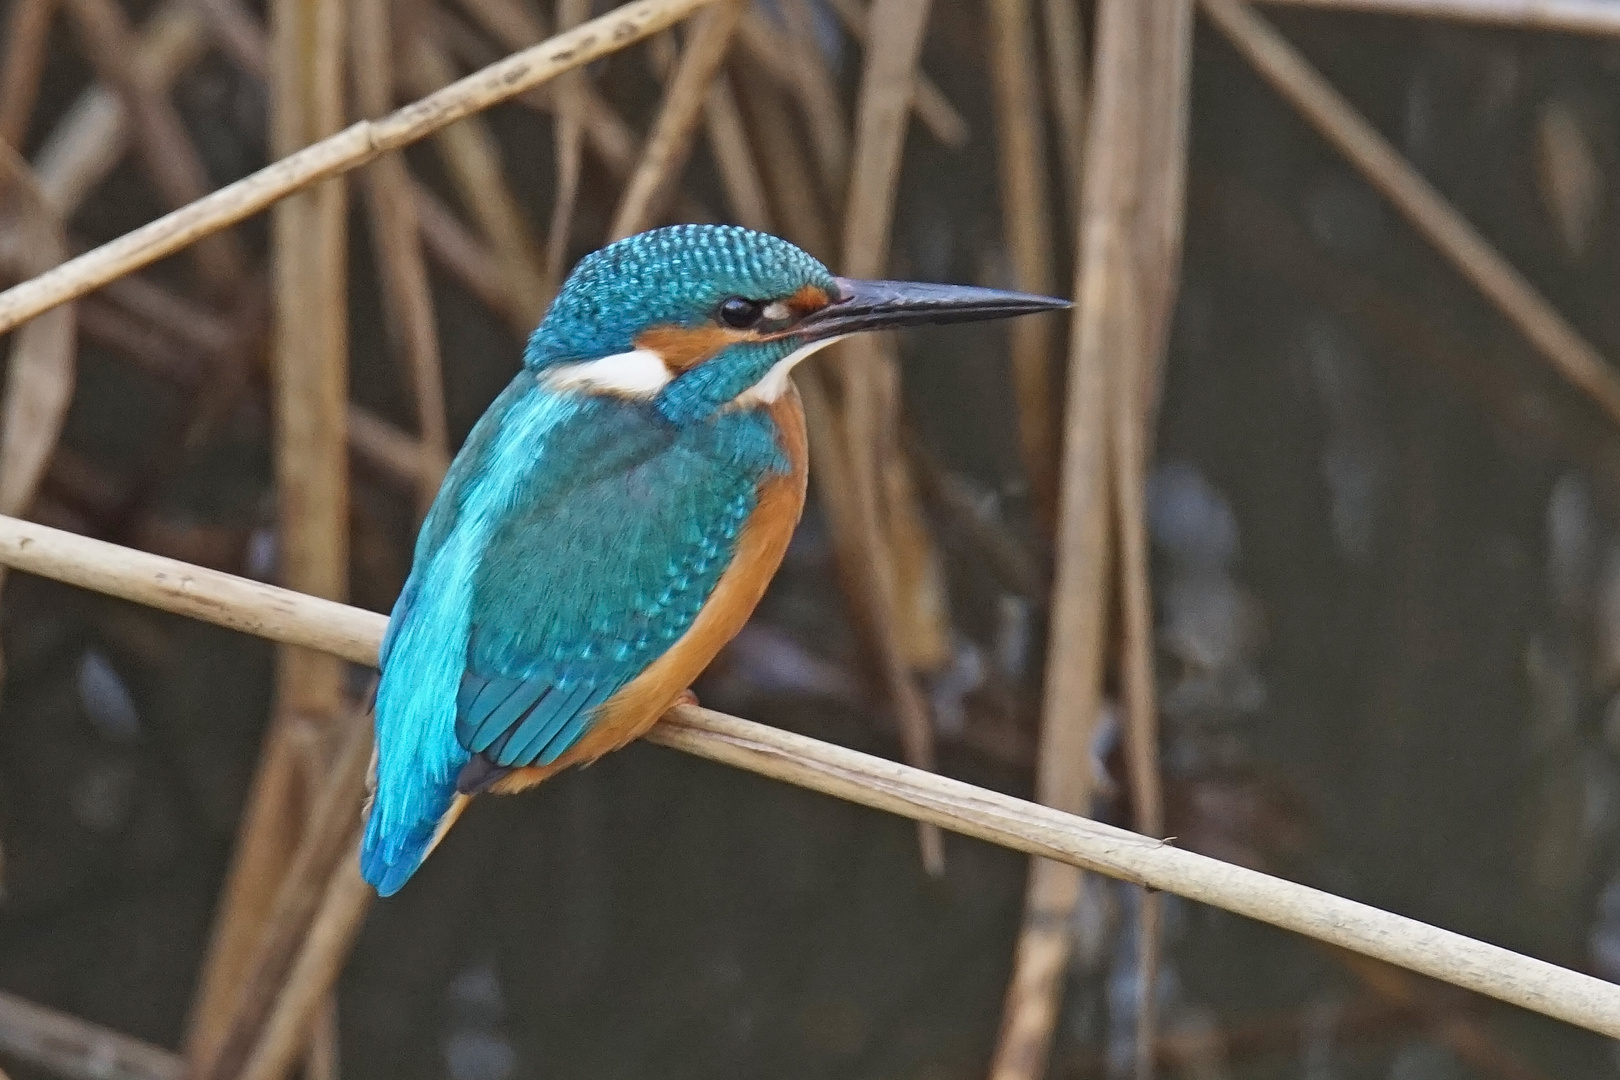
<point x="882" y="305"/>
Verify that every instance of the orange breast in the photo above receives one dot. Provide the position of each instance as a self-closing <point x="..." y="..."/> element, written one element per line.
<point x="763" y="541"/>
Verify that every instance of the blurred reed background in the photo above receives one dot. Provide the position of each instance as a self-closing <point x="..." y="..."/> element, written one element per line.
<point x="1300" y="545"/>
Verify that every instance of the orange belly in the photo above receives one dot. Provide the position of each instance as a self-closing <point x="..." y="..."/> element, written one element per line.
<point x="628" y="714"/>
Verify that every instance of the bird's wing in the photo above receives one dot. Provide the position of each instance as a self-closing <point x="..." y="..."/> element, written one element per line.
<point x="583" y="586"/>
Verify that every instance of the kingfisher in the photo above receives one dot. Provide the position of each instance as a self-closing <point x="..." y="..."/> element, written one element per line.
<point x="614" y="516"/>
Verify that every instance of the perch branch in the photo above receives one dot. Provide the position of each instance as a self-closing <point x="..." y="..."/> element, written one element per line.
<point x="294" y="619"/>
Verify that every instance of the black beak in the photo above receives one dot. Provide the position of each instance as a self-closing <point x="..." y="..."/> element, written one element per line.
<point x="883" y="305"/>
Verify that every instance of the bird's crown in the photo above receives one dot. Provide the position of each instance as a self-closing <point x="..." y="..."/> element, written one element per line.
<point x="676" y="278"/>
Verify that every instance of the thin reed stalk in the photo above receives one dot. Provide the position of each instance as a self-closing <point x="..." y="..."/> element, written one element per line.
<point x="350" y="148"/>
<point x="875" y="782"/>
<point x="1287" y="70"/>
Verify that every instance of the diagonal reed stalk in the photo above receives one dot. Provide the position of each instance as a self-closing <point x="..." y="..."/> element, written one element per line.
<point x="353" y="146"/>
<point x="310" y="622"/>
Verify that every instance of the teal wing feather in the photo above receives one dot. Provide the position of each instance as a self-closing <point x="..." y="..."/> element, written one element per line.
<point x="591" y="581"/>
<point x="574" y="540"/>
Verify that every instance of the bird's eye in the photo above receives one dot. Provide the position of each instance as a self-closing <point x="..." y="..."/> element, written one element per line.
<point x="740" y="313"/>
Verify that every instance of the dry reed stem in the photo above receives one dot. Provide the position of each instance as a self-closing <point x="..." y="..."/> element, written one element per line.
<point x="934" y="110"/>
<point x="396" y="237"/>
<point x="238" y="34"/>
<point x="1465" y="1036"/>
<point x="28" y="27"/>
<point x="1066" y="64"/>
<point x="1280" y="64"/>
<point x="1026" y="227"/>
<point x="569" y="139"/>
<point x="728" y="143"/>
<point x="1002" y="553"/>
<point x="802" y="74"/>
<point x="328" y="839"/>
<point x="309" y="371"/>
<point x="473" y="159"/>
<point x="1165" y="81"/>
<point x="1107" y="322"/>
<point x="76" y="1049"/>
<point x="352" y="147"/>
<point x="1568" y="16"/>
<point x="42" y="360"/>
<point x="165" y="147"/>
<point x="390" y="450"/>
<point x="465" y="257"/>
<point x="1265" y="236"/>
<point x="781" y="157"/>
<point x="869" y="373"/>
<point x="670" y="141"/>
<point x="314" y="971"/>
<point x="292" y="618"/>
<point x="783" y="164"/>
<point x="93" y="136"/>
<point x="609" y="136"/>
<point x="818" y="96"/>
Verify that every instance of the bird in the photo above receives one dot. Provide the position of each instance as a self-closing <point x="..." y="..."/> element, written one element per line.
<point x="613" y="518"/>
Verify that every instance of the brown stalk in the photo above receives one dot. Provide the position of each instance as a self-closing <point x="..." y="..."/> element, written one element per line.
<point x="1165" y="77"/>
<point x="28" y="26"/>
<point x="473" y="159"/>
<point x="458" y="251"/>
<point x="310" y="394"/>
<point x="934" y="110"/>
<point x="1566" y="16"/>
<point x="903" y="625"/>
<point x="76" y="1049"/>
<point x="311" y="622"/>
<point x="42" y="360"/>
<point x="184" y="343"/>
<point x="670" y="141"/>
<point x="407" y="295"/>
<point x="569" y="136"/>
<point x="350" y="148"/>
<point x="818" y="97"/>
<point x="390" y="451"/>
<point x="1002" y="553"/>
<point x="781" y="157"/>
<point x="1280" y="64"/>
<point x="94" y="135"/>
<point x="1108" y="322"/>
<point x="1026" y="226"/>
<point x="728" y="142"/>
<point x="1066" y="64"/>
<point x="1470" y="1039"/>
<point x="165" y="148"/>
<point x="1266" y="237"/>
<point x="308" y="987"/>
<point x="333" y="820"/>
<point x="607" y="133"/>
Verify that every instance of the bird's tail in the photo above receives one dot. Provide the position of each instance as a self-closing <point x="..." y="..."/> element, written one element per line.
<point x="387" y="860"/>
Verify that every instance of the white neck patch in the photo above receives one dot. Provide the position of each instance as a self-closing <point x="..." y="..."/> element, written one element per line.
<point x="775" y="382"/>
<point x="640" y="373"/>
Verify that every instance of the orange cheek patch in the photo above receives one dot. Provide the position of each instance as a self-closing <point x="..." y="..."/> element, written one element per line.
<point x="809" y="298"/>
<point x="683" y="348"/>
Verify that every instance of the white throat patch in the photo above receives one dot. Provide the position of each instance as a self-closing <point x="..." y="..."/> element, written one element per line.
<point x="775" y="382"/>
<point x="640" y="373"/>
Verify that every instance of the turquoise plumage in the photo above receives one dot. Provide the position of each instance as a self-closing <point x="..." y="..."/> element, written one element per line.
<point x="597" y="507"/>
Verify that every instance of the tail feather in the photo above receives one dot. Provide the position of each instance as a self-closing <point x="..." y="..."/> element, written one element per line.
<point x="388" y="859"/>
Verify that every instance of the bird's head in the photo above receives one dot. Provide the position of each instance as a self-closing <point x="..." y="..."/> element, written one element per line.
<point x="695" y="318"/>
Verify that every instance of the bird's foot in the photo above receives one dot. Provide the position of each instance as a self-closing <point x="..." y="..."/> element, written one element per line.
<point x="687" y="698"/>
